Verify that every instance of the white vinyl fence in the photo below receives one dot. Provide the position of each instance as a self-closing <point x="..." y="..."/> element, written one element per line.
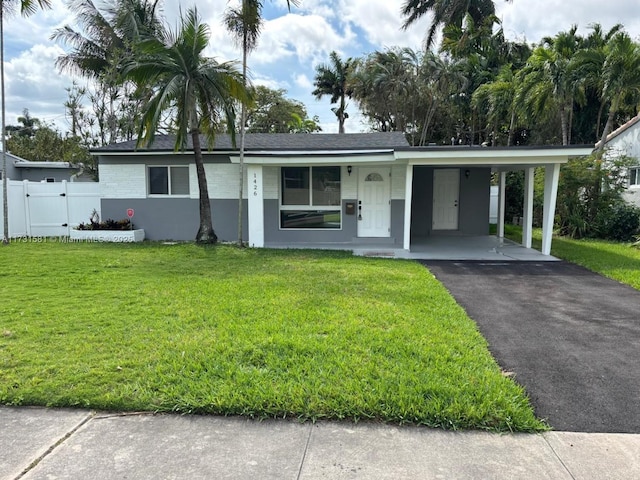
<point x="493" y="205"/>
<point x="48" y="209"/>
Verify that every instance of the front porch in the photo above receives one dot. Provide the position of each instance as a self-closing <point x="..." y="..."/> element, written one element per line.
<point x="439" y="247"/>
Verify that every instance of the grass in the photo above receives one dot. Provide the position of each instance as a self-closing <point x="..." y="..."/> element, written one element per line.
<point x="263" y="333"/>
<point x="619" y="261"/>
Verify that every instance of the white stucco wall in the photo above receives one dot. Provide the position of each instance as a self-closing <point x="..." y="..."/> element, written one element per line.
<point x="123" y="181"/>
<point x="270" y="179"/>
<point x="223" y="181"/>
<point x="628" y="143"/>
<point x="129" y="181"/>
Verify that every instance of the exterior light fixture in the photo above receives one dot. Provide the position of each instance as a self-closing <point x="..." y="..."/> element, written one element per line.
<point x="349" y="169"/>
<point x="467" y="173"/>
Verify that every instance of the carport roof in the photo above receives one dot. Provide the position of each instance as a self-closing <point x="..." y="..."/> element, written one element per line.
<point x="496" y="157"/>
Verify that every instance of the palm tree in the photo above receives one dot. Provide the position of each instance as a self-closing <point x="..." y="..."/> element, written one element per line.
<point x="616" y="71"/>
<point x="199" y="89"/>
<point x="447" y="12"/>
<point x="551" y="80"/>
<point x="109" y="34"/>
<point x="244" y="23"/>
<point x="27" y="7"/>
<point x="499" y="99"/>
<point x="332" y="79"/>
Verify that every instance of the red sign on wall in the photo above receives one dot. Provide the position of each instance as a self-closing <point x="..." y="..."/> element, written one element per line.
<point x="130" y="212"/>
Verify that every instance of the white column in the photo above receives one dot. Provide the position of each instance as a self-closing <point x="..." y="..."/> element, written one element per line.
<point x="408" y="194"/>
<point x="501" y="203"/>
<point x="255" y="213"/>
<point x="527" y="221"/>
<point x="551" y="177"/>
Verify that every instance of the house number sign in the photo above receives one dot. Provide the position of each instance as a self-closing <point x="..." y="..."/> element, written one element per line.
<point x="255" y="184"/>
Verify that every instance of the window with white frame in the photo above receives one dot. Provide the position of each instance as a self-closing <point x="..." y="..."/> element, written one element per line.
<point x="167" y="180"/>
<point x="634" y="177"/>
<point x="310" y="198"/>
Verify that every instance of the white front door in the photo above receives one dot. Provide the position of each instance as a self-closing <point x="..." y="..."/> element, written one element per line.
<point x="374" y="202"/>
<point x="446" y="190"/>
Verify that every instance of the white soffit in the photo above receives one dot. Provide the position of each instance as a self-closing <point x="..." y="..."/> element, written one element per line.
<point x="349" y="157"/>
<point x="491" y="156"/>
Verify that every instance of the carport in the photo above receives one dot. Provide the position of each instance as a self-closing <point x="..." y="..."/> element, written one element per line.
<point x="444" y="185"/>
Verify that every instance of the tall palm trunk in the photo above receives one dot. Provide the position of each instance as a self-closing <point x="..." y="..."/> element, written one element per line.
<point x="564" y="124"/>
<point x="607" y="130"/>
<point x="243" y="120"/>
<point x="205" y="231"/>
<point x="341" y="115"/>
<point x="512" y="126"/>
<point x="5" y="206"/>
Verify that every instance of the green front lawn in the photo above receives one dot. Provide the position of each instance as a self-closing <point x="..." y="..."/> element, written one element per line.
<point x="264" y="333"/>
<point x="615" y="260"/>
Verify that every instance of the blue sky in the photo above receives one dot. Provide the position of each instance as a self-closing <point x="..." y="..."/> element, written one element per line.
<point x="292" y="44"/>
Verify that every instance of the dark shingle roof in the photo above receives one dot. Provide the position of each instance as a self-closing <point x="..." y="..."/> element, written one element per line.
<point x="278" y="142"/>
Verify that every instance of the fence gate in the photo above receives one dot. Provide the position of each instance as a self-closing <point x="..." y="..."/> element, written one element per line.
<point x="46" y="209"/>
<point x="42" y="209"/>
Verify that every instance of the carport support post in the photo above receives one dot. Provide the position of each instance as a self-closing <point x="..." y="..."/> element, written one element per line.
<point x="551" y="177"/>
<point x="527" y="222"/>
<point x="501" y="203"/>
<point x="408" y="194"/>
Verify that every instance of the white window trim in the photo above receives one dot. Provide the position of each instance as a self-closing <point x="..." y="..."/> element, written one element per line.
<point x="636" y="185"/>
<point x="310" y="206"/>
<point x="168" y="195"/>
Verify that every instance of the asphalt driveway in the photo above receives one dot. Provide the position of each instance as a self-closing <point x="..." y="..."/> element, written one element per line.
<point x="570" y="336"/>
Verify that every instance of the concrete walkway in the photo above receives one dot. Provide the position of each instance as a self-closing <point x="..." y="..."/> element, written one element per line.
<point x="571" y="337"/>
<point x="43" y="444"/>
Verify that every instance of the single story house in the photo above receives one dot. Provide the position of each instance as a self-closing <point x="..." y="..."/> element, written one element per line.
<point x="331" y="189"/>
<point x="20" y="169"/>
<point x="626" y="141"/>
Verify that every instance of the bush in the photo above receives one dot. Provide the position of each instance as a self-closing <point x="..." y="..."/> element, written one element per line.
<point x="590" y="202"/>
<point x="620" y="222"/>
<point x="109" y="224"/>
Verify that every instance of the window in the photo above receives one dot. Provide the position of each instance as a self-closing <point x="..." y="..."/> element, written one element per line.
<point x="310" y="197"/>
<point x="168" y="180"/>
<point x="634" y="177"/>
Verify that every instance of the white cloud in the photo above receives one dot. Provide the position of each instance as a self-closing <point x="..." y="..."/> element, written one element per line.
<point x="309" y="38"/>
<point x="31" y="84"/>
<point x="300" y="80"/>
<point x="381" y="21"/>
<point x="522" y="19"/>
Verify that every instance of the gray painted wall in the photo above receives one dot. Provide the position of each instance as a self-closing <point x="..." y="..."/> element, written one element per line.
<point x="177" y="218"/>
<point x="422" y="197"/>
<point x="273" y="234"/>
<point x="40" y="174"/>
<point x="397" y="221"/>
<point x="475" y="198"/>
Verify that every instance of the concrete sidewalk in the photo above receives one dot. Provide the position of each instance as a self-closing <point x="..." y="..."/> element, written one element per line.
<point x="38" y="443"/>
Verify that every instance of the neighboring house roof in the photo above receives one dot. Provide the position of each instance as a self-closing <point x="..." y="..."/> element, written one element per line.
<point x="275" y="141"/>
<point x="621" y="129"/>
<point x="21" y="163"/>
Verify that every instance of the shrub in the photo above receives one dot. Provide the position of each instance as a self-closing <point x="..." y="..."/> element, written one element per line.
<point x="620" y="222"/>
<point x="108" y="224"/>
